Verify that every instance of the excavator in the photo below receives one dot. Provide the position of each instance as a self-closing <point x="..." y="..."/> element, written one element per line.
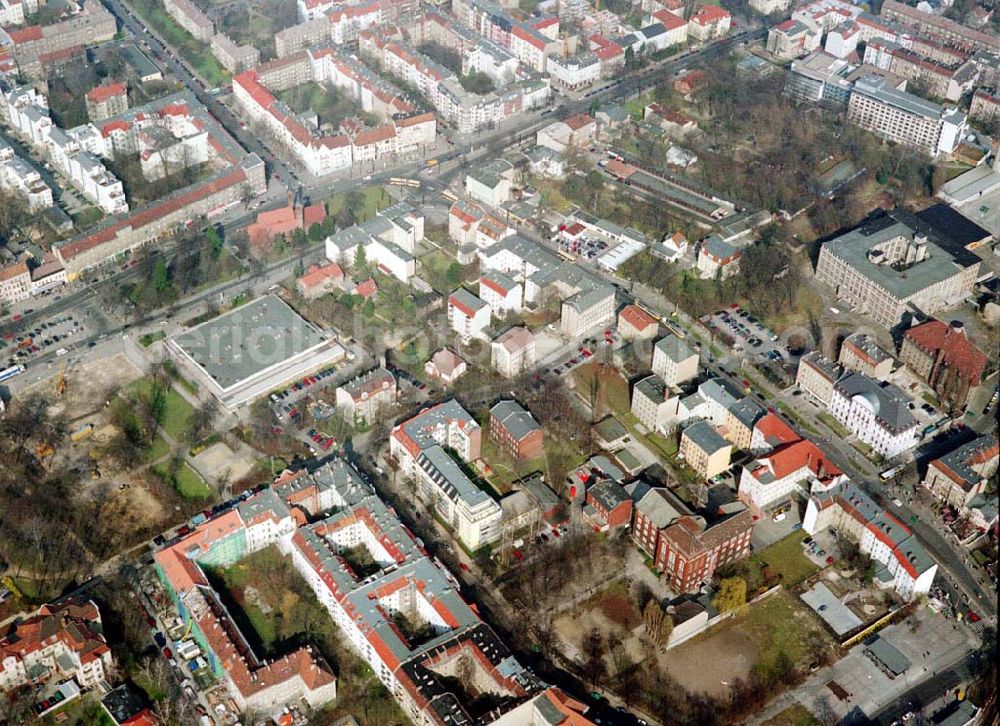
<point x="61" y="378"/>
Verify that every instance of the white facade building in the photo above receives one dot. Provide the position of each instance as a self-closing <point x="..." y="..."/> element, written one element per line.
<point x="877" y="413"/>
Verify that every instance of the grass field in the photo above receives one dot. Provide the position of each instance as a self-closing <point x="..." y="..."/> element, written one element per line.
<point x="612" y="389"/>
<point x="794" y="715"/>
<point x="159" y="448"/>
<point x="187" y="482"/>
<point x="178" y="411"/>
<point x="376" y="198"/>
<point x="833" y="424"/>
<point x="785" y="557"/>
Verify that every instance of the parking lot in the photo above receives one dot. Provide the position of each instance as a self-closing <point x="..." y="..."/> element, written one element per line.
<point x="59" y="334"/>
<point x="742" y="331"/>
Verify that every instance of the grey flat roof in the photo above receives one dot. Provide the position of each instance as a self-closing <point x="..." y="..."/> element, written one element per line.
<point x="248" y="340"/>
<point x="888" y="654"/>
<point x="853" y="248"/>
<point x="834" y="613"/>
<point x="875" y="87"/>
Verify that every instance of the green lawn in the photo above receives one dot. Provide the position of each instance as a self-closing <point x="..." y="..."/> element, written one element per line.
<point x="833" y="424"/>
<point x="786" y="558"/>
<point x="178" y="411"/>
<point x="612" y="389"/>
<point x="376" y="198"/>
<point x="778" y="624"/>
<point x="794" y="715"/>
<point x="159" y="448"/>
<point x="435" y="266"/>
<point x="187" y="482"/>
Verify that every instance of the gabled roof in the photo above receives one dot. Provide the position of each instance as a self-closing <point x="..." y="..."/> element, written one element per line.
<point x="957" y="352"/>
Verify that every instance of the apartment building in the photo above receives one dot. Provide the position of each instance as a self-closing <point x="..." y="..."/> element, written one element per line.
<point x="769" y="7"/>
<point x="106" y="100"/>
<point x="445" y="424"/>
<point x="789" y="470"/>
<point x="741" y="418"/>
<point x="512" y="352"/>
<point x="689" y="551"/>
<point x="37" y="47"/>
<point x="877" y="413"/>
<point x="15" y="283"/>
<point x="903" y="118"/>
<point x="515" y="431"/>
<point x="320" y="153"/>
<point x="500" y="292"/>
<point x="717" y="259"/>
<point x="709" y="22"/>
<point x="591" y="308"/>
<point x="405" y="582"/>
<point x="234" y="58"/>
<point x="56" y="642"/>
<point x="469" y="511"/>
<point x="319" y="280"/>
<point x="907" y="568"/>
<point x="363" y="398"/>
<point x="816" y="376"/>
<point x="14" y="12"/>
<point x="650" y="404"/>
<point x="467" y="111"/>
<point x="887" y="267"/>
<point x="938" y="27"/>
<point x="793" y="39"/>
<point x="23" y="180"/>
<point x="705" y="450"/>
<point x="862" y="354"/>
<point x="674" y="361"/>
<point x="634" y="323"/>
<point x="576" y="71"/>
<point x="468" y="315"/>
<point x="190" y="17"/>
<point x="985" y="104"/>
<point x="71" y="152"/>
<point x="962" y="474"/>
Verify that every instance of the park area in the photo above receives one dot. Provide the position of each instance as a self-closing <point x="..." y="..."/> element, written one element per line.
<point x="768" y="639"/>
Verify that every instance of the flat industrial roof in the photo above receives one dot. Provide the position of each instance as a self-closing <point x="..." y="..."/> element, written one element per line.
<point x="248" y="340"/>
<point x="837" y="615"/>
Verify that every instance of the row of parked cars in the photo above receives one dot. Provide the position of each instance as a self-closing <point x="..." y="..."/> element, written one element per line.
<point x="303" y="384"/>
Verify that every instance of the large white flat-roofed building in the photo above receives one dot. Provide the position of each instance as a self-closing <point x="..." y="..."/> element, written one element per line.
<point x="888" y="266"/>
<point x="247" y="352"/>
<point x="904" y="118"/>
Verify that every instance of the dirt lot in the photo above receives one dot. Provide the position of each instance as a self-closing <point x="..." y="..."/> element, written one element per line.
<point x="611" y="611"/>
<point x="87" y="385"/>
<point x="767" y="631"/>
<point x="709" y="664"/>
<point x="219" y="461"/>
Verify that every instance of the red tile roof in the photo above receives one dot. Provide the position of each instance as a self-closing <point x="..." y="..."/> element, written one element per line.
<point x="636" y="317"/>
<point x="670" y="20"/>
<point x="775" y="431"/>
<point x="106" y="91"/>
<point x="710" y="14"/>
<point x="957" y="352"/>
<point x="367" y="288"/>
